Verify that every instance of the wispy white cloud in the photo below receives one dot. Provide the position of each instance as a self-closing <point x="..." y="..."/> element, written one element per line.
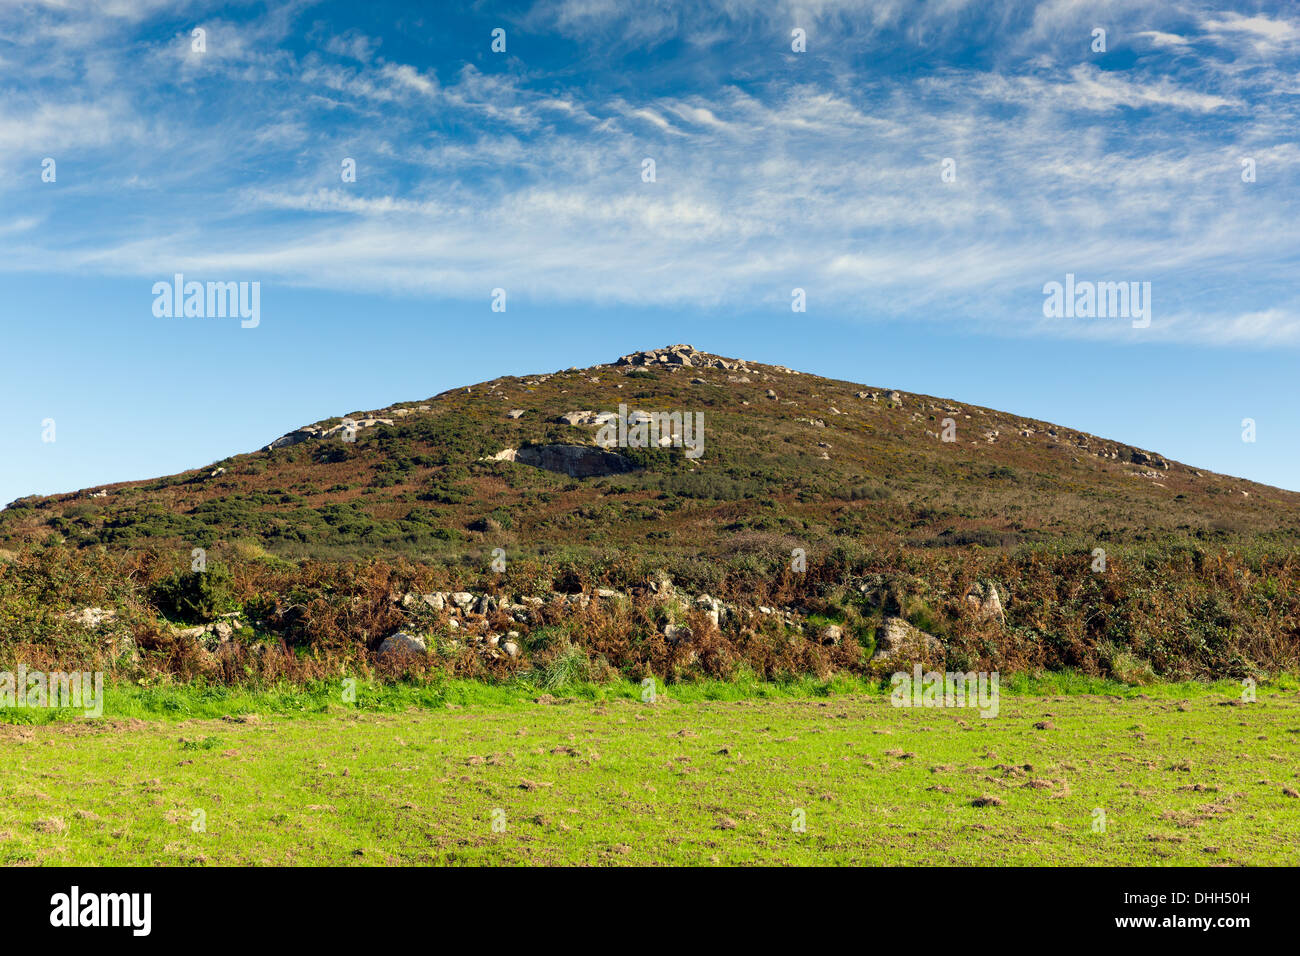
<point x="822" y="173"/>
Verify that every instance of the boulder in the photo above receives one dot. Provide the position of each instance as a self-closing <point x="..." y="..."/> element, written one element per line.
<point x="830" y="634"/>
<point x="122" y="648"/>
<point x="984" y="597"/>
<point x="92" y="616"/>
<point x="661" y="585"/>
<point x="899" y="643"/>
<point x="209" y="637"/>
<point x="401" y="645"/>
<point x="711" y="607"/>
<point x="674" y="634"/>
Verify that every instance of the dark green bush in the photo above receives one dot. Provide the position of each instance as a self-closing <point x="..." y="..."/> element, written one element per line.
<point x="199" y="596"/>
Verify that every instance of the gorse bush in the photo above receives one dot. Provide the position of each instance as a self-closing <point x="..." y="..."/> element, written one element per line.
<point x="198" y="596"/>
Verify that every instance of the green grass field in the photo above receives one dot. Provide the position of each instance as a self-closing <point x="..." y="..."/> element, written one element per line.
<point x="1184" y="775"/>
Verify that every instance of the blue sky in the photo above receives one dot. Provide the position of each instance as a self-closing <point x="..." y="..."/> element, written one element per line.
<point x="522" y="170"/>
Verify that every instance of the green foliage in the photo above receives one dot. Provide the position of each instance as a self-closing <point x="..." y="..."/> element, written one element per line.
<point x="198" y="596"/>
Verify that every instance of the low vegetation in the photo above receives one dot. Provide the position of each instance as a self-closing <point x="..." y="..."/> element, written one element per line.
<point x="811" y="775"/>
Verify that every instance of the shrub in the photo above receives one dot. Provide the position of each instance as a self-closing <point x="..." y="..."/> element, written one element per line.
<point x="195" y="595"/>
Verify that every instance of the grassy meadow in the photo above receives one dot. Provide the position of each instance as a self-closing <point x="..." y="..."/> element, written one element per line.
<point x="712" y="773"/>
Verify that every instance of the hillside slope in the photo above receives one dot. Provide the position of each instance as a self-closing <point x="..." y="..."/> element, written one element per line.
<point x="786" y="458"/>
<point x="521" y="528"/>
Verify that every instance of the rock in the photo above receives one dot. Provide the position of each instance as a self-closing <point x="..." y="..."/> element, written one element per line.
<point x="576" y="461"/>
<point x="437" y="600"/>
<point x="577" y="418"/>
<point x="92" y="616"/>
<point x="122" y="648"/>
<point x="401" y="645"/>
<point x="983" y="595"/>
<point x="674" y="634"/>
<point x="662" y="586"/>
<point x="894" y="398"/>
<point x="462" y="599"/>
<point x="608" y="594"/>
<point x="684" y="356"/>
<point x="711" y="607"/>
<point x="514" y="413"/>
<point x="294" y="437"/>
<point x="485" y="605"/>
<point x="511" y="647"/>
<point x="308" y="432"/>
<point x="898" y="642"/>
<point x="830" y="634"/>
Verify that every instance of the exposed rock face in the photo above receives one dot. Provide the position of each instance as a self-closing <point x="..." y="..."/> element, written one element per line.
<point x="576" y="461"/>
<point x="1142" y="458"/>
<point x="294" y="437"/>
<point x="901" y="644"/>
<point x="308" y="432"/>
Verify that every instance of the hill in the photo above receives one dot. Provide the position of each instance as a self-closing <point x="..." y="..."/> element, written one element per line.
<point x="1015" y="541"/>
<point x="785" y="457"/>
